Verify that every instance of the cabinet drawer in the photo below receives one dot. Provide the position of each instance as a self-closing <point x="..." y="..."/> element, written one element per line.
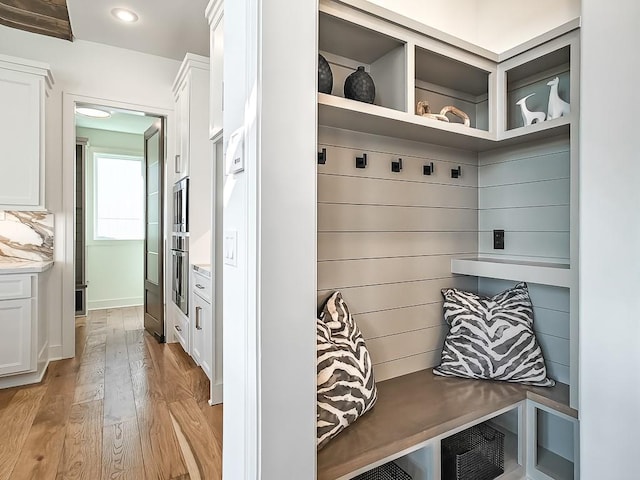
<point x="15" y="286"/>
<point x="181" y="331"/>
<point x="202" y="286"/>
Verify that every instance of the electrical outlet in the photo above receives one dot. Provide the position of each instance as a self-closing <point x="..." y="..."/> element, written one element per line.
<point x="498" y="239"/>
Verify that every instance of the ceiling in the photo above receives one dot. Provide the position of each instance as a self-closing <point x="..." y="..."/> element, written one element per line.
<point x="120" y="121"/>
<point x="46" y="17"/>
<point x="168" y="28"/>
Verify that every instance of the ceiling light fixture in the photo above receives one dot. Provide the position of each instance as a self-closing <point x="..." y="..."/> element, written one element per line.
<point x="92" y="112"/>
<point x="124" y="15"/>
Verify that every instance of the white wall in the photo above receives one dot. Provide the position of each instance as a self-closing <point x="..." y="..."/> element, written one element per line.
<point x="455" y="17"/>
<point x="92" y="70"/>
<point x="503" y="24"/>
<point x="114" y="268"/>
<point x="269" y="298"/>
<point x="609" y="240"/>
<point x="496" y="25"/>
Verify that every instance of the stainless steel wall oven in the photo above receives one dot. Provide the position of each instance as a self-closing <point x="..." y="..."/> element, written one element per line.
<point x="180" y="246"/>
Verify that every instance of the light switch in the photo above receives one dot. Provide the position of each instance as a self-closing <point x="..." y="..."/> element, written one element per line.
<point x="230" y="248"/>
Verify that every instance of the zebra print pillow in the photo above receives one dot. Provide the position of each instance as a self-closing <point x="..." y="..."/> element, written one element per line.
<point x="346" y="386"/>
<point x="492" y="338"/>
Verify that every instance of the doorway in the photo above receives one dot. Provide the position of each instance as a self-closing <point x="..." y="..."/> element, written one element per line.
<point x="119" y="212"/>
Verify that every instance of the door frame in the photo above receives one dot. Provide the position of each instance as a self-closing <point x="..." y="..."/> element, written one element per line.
<point x="66" y="236"/>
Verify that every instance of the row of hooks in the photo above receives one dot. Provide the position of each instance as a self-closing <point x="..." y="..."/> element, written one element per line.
<point x="396" y="165"/>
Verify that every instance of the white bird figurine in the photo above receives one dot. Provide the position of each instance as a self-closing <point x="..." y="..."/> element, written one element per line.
<point x="557" y="107"/>
<point x="529" y="117"/>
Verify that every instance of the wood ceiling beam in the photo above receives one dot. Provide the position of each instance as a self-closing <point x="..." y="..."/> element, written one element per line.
<point x="44" y="17"/>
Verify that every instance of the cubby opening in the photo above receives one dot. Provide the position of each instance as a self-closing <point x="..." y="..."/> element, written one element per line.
<point x="482" y="447"/>
<point x="346" y="46"/>
<point x="532" y="78"/>
<point x="443" y="81"/>
<point x="554" y="447"/>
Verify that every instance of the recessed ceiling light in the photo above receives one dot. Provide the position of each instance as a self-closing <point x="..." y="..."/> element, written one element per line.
<point x="124" y="15"/>
<point x="92" y="112"/>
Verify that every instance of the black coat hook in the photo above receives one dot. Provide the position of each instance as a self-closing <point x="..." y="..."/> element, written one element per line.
<point x="361" y="162"/>
<point x="428" y="169"/>
<point x="396" y="166"/>
<point x="322" y="156"/>
<point x="456" y="172"/>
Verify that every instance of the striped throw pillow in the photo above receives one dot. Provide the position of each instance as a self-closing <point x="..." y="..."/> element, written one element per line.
<point x="346" y="386"/>
<point x="492" y="338"/>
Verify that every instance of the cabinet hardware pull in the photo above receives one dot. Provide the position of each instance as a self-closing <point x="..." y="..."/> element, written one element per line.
<point x="199" y="286"/>
<point x="177" y="327"/>
<point x="198" y="324"/>
<point x="177" y="164"/>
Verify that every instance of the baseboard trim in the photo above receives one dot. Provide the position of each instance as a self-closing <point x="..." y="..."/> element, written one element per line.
<point x="216" y="394"/>
<point x="55" y="352"/>
<point x="115" y="303"/>
<point x="25" y="378"/>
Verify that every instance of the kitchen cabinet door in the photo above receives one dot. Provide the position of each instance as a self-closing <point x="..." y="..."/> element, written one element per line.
<point x="15" y="342"/>
<point x="22" y="145"/>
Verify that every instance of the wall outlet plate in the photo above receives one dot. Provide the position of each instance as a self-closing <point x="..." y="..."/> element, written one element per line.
<point x="498" y="239"/>
<point x="234" y="157"/>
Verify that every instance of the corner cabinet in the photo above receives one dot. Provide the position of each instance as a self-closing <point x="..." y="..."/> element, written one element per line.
<point x="191" y="94"/>
<point x="24" y="86"/>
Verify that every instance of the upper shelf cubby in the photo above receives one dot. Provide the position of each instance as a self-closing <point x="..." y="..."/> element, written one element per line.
<point x="410" y="64"/>
<point x="443" y="81"/>
<point x="535" y="81"/>
<point x="346" y="46"/>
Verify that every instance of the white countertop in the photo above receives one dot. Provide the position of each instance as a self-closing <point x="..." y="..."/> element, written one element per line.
<point x="10" y="265"/>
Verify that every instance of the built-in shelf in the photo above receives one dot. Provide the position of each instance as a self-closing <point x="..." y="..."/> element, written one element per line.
<point x="558" y="275"/>
<point x="348" y="114"/>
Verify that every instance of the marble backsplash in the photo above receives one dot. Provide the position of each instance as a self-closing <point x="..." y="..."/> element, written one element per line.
<point x="26" y="236"/>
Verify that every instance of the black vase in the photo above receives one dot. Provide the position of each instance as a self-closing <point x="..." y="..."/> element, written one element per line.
<point x="325" y="75"/>
<point x="359" y="86"/>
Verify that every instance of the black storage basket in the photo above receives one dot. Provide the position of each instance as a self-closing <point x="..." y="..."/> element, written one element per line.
<point x="476" y="453"/>
<point x="388" y="471"/>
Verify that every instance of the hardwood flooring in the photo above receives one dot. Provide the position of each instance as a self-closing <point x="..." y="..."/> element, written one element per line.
<point x="125" y="407"/>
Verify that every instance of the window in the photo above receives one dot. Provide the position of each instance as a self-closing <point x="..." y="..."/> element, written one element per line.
<point x="119" y="197"/>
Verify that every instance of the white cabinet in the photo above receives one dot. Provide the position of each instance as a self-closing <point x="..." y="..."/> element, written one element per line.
<point x="23" y="87"/>
<point x="15" y="343"/>
<point x="182" y="330"/>
<point x="191" y="94"/>
<point x="24" y="341"/>
<point x="215" y="16"/>
<point x="201" y="319"/>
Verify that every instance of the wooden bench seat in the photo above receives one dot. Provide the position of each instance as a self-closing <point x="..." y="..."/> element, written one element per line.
<point x="415" y="408"/>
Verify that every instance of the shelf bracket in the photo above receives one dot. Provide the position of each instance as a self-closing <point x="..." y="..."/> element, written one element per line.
<point x="396" y="166"/>
<point x="322" y="157"/>
<point x="456" y="172"/>
<point x="428" y="169"/>
<point x="361" y="162"/>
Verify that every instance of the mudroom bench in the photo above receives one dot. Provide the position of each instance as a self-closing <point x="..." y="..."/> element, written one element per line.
<point x="415" y="411"/>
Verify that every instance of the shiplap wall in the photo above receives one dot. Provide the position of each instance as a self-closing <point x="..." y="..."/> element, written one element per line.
<point x="525" y="191"/>
<point x="386" y="241"/>
<point x="551" y="322"/>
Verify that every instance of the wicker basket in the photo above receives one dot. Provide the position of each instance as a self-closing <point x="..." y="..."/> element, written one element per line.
<point x="476" y="453"/>
<point x="388" y="471"/>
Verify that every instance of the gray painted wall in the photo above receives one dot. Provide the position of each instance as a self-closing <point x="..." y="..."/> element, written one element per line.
<point x="386" y="241"/>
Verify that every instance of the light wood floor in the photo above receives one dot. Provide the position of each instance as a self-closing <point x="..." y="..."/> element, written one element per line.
<point x="125" y="407"/>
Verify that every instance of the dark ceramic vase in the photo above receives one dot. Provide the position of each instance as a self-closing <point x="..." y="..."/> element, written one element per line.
<point x="359" y="86"/>
<point x="325" y="76"/>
